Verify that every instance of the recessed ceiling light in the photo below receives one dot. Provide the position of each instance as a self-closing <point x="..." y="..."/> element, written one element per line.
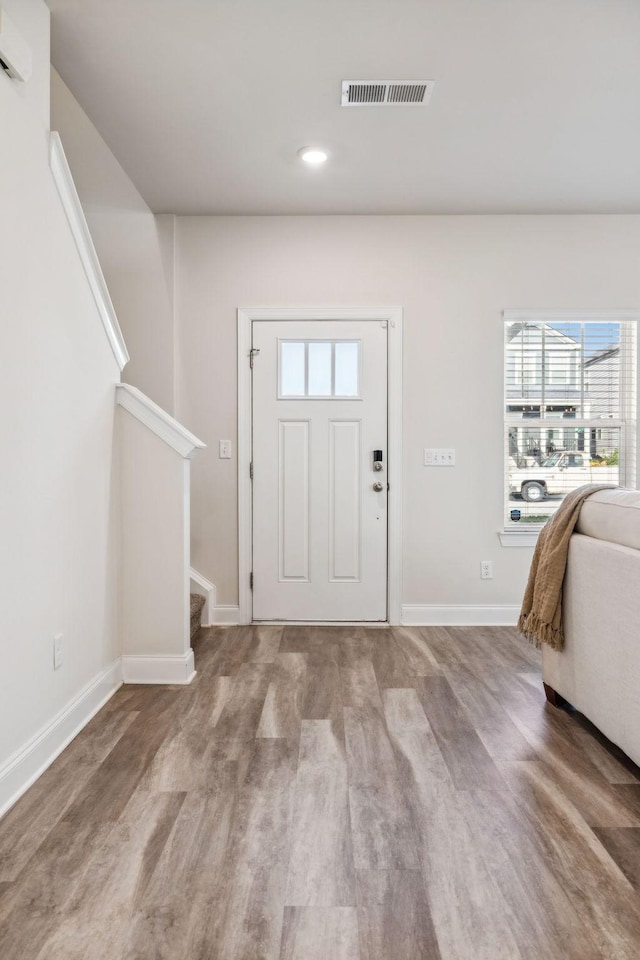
<point x="313" y="155"/>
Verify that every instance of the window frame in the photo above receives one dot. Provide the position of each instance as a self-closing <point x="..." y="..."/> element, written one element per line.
<point x="627" y="422"/>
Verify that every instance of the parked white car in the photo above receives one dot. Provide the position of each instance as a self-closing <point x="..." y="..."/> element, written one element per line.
<point x="560" y="473"/>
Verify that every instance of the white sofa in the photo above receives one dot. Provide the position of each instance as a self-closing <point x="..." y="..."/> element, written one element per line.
<point x="598" y="671"/>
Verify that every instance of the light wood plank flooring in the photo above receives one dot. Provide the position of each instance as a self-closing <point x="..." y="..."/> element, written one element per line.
<point x="330" y="794"/>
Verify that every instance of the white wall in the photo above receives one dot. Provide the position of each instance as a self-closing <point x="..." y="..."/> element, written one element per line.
<point x="454" y="276"/>
<point x="154" y="483"/>
<point x="58" y="544"/>
<point x="135" y="248"/>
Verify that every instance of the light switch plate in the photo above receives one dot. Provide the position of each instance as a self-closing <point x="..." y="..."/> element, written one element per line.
<point x="439" y="457"/>
<point x="224" y="450"/>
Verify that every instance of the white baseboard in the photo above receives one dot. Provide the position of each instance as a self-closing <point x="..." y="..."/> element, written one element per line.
<point x="30" y="762"/>
<point x="206" y="589"/>
<point x="432" y="615"/>
<point x="226" y="614"/>
<point x="417" y="614"/>
<point x="154" y="669"/>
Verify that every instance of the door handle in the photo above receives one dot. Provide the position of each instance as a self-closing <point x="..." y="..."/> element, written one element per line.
<point x="378" y="486"/>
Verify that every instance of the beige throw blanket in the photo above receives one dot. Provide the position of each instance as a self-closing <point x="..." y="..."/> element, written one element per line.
<point x="541" y="614"/>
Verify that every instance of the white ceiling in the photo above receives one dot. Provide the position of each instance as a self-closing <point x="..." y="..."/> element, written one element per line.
<point x="536" y="107"/>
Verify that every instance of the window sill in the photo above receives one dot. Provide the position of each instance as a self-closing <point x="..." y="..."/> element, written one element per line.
<point x="519" y="538"/>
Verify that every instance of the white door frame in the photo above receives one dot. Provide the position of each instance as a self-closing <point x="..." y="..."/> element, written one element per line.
<point x="393" y="316"/>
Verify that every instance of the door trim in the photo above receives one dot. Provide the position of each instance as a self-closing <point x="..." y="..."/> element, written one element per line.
<point x="393" y="315"/>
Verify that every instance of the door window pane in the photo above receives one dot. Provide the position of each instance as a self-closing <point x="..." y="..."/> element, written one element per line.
<point x="319" y="370"/>
<point x="346" y="380"/>
<point x="292" y="370"/>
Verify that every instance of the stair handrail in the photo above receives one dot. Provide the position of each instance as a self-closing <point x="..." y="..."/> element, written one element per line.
<point x="158" y="420"/>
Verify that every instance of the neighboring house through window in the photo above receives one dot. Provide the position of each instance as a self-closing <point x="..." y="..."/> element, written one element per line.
<point x="570" y="407"/>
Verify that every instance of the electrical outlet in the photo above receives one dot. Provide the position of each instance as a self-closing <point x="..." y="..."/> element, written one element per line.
<point x="57" y="651"/>
<point x="439" y="458"/>
<point x="486" y="570"/>
<point x="224" y="450"/>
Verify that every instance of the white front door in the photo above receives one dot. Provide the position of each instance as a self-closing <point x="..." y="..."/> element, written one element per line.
<point x="319" y="395"/>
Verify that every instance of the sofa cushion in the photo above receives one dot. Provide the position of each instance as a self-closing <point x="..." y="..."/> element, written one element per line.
<point x="612" y="515"/>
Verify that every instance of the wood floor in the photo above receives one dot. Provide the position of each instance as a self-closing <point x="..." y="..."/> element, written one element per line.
<point x="330" y="794"/>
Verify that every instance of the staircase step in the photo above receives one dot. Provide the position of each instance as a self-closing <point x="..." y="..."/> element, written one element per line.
<point x="197" y="603"/>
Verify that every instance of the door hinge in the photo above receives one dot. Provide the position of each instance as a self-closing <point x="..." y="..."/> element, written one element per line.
<point x="251" y="470"/>
<point x="251" y="581"/>
<point x="254" y="352"/>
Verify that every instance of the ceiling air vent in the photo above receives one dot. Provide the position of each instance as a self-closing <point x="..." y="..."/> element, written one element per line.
<point x="386" y="93"/>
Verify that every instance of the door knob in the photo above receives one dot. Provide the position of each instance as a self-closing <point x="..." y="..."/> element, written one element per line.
<point x="378" y="486"/>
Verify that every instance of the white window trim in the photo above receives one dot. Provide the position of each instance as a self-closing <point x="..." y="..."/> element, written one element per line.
<point x="509" y="536"/>
<point x="520" y="538"/>
<point x="393" y="316"/>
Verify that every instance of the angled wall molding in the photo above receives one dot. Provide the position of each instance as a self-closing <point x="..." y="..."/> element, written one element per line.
<point x="24" y="767"/>
<point x="454" y="615"/>
<point x="84" y="243"/>
<point x="157" y="420"/>
<point x="213" y="614"/>
<point x="206" y="589"/>
<point x="161" y="669"/>
<point x="199" y="580"/>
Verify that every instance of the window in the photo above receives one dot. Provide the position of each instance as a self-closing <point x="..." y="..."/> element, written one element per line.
<point x="319" y="369"/>
<point x="570" y="409"/>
